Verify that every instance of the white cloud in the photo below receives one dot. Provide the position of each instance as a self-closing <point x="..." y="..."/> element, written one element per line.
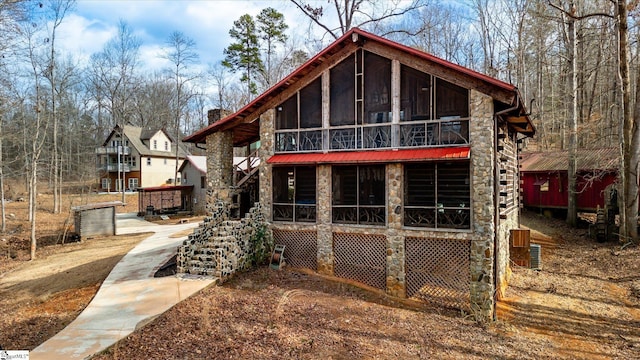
<point x="206" y="22"/>
<point x="81" y="37"/>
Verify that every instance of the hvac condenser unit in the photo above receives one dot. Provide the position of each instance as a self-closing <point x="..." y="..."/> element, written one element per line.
<point x="536" y="253"/>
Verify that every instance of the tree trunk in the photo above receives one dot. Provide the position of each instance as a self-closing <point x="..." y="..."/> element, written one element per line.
<point x="629" y="142"/>
<point x="2" y="214"/>
<point x="572" y="212"/>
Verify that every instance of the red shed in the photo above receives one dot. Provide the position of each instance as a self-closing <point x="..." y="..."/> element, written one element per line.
<point x="544" y="178"/>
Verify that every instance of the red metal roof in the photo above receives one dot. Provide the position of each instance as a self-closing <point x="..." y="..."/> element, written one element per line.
<point x="237" y="118"/>
<point x="376" y="156"/>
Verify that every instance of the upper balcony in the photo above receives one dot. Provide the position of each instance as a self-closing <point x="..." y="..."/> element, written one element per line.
<point x="115" y="168"/>
<point x="113" y="150"/>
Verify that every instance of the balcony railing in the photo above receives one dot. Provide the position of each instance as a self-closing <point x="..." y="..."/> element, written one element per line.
<point x="113" y="150"/>
<point x="408" y="134"/>
<point x="114" y="168"/>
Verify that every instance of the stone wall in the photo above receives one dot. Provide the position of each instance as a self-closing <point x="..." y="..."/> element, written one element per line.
<point x="481" y="133"/>
<point x="220" y="247"/>
<point x="219" y="168"/>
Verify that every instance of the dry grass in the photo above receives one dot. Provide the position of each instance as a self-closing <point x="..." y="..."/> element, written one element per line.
<point x="50" y="227"/>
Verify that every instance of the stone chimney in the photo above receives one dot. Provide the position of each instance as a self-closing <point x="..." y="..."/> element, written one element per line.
<point x="214" y="115"/>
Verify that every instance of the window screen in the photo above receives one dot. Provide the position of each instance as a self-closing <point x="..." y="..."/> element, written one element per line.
<point x="342" y="92"/>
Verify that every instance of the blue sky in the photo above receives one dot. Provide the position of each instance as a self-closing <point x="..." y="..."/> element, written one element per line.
<point x="207" y="22"/>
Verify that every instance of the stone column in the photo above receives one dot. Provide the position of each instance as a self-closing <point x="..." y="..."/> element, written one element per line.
<point x="481" y="128"/>
<point x="325" y="235"/>
<point x="219" y="168"/>
<point x="396" y="285"/>
<point x="265" y="151"/>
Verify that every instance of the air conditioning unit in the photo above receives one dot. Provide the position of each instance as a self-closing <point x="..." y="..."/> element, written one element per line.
<point x="536" y="254"/>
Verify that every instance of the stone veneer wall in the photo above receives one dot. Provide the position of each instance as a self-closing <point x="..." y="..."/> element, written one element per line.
<point x="219" y="168"/>
<point x="482" y="135"/>
<point x="266" y="150"/>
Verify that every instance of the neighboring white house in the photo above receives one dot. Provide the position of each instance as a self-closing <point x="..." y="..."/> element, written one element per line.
<point x="132" y="157"/>
<point x="193" y="171"/>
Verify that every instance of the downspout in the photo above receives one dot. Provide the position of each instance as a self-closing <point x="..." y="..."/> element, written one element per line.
<point x="201" y="148"/>
<point x="496" y="201"/>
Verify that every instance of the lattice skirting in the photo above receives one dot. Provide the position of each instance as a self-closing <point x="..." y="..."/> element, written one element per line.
<point x="437" y="271"/>
<point x="301" y="247"/>
<point x="361" y="258"/>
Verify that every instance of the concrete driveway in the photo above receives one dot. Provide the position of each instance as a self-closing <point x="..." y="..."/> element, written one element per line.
<point x="128" y="296"/>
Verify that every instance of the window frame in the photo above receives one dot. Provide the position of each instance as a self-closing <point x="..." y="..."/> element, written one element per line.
<point x="292" y="208"/>
<point x="442" y="213"/>
<point x="358" y="212"/>
<point x="133" y="180"/>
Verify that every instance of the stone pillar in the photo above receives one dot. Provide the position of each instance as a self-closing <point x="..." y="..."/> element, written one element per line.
<point x="214" y="115"/>
<point x="219" y="167"/>
<point x="481" y="128"/>
<point x="323" y="205"/>
<point x="265" y="151"/>
<point x="396" y="285"/>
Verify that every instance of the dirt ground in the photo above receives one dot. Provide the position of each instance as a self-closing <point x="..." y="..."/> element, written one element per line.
<point x="583" y="304"/>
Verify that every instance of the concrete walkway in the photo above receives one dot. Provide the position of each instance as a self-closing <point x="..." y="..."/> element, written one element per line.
<point x="128" y="296"/>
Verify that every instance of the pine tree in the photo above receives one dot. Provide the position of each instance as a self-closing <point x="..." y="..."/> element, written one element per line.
<point x="244" y="54"/>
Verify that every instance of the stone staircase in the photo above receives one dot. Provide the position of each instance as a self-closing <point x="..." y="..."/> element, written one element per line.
<point x="220" y="247"/>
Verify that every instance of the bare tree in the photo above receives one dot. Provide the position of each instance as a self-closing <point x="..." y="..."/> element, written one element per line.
<point x="366" y="14"/>
<point x="39" y="123"/>
<point x="58" y="10"/>
<point x="180" y="50"/>
<point x="630" y="136"/>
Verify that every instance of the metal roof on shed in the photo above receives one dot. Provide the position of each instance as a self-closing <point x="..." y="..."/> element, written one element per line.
<point x="587" y="159"/>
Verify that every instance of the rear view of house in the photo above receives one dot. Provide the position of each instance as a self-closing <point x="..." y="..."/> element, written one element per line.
<point x="385" y="165"/>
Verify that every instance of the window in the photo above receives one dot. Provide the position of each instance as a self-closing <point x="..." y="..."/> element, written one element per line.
<point x="415" y="94"/>
<point x="119" y="184"/>
<point x="165" y="161"/>
<point x="106" y="183"/>
<point x="166" y="146"/>
<point x="294" y="194"/>
<point x="433" y="111"/>
<point x="342" y="93"/>
<point x="133" y="183"/>
<point x="437" y="195"/>
<point x="451" y="100"/>
<point x="130" y="160"/>
<point x="377" y="89"/>
<point x="310" y="116"/>
<point x="148" y="161"/>
<point x="203" y="182"/>
<point x="359" y="195"/>
<point x="155" y="144"/>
